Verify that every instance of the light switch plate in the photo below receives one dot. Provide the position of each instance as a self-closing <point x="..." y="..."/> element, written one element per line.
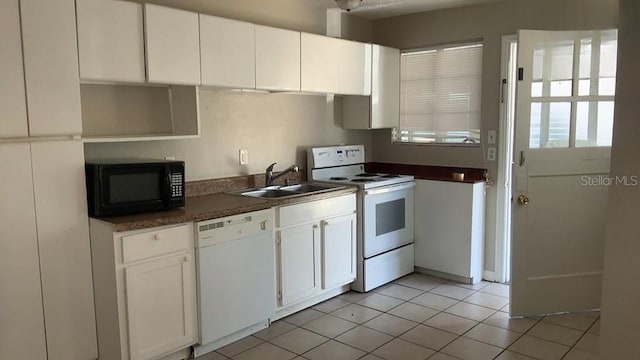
<point x="491" y="154"/>
<point x="244" y="157"/>
<point x="491" y="137"/>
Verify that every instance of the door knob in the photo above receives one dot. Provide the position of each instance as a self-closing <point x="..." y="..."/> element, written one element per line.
<point x="523" y="200"/>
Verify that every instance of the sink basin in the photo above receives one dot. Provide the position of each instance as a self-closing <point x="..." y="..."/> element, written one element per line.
<point x="307" y="188"/>
<point x="270" y="193"/>
<point x="276" y="192"/>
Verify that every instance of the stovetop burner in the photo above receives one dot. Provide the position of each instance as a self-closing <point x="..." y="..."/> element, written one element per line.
<point x="340" y="178"/>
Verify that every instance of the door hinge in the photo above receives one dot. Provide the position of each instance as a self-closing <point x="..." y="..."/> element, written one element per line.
<point x="279" y="295"/>
<point x="521" y="161"/>
<point x="502" y="90"/>
<point x="520" y="74"/>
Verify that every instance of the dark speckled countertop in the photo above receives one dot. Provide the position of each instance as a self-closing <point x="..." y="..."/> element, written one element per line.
<point x="212" y="206"/>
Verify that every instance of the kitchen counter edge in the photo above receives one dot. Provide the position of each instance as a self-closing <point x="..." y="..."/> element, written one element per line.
<point x="212" y="206"/>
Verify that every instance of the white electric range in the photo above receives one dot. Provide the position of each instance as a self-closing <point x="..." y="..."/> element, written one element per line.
<point x="385" y="213"/>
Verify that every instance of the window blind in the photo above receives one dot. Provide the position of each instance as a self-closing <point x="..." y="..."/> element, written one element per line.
<point x="440" y="92"/>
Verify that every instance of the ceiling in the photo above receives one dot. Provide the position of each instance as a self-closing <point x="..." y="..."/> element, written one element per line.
<point x="378" y="9"/>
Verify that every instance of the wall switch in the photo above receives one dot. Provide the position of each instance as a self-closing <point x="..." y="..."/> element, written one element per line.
<point x="491" y="137"/>
<point x="244" y="157"/>
<point x="491" y="154"/>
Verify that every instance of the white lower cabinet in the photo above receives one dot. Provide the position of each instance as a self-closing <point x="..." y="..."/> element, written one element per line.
<point x="338" y="251"/>
<point x="299" y="259"/>
<point x="46" y="295"/>
<point x="145" y="291"/>
<point x="316" y="250"/>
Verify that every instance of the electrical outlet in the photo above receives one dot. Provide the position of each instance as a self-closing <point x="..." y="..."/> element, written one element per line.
<point x="491" y="137"/>
<point x="244" y="157"/>
<point x="491" y="154"/>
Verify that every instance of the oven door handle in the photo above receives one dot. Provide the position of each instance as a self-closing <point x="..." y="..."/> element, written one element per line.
<point x="390" y="189"/>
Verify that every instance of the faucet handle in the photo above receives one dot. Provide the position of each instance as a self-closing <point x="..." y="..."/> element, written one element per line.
<point x="270" y="167"/>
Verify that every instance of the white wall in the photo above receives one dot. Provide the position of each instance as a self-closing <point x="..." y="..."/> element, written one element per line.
<point x="488" y="22"/>
<point x="273" y="127"/>
<point x="620" y="328"/>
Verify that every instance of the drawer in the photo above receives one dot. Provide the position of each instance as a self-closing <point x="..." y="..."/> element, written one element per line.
<point x="315" y="210"/>
<point x="154" y="243"/>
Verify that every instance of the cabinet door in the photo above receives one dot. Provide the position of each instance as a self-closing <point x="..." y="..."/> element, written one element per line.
<point x="385" y="87"/>
<point x="354" y="68"/>
<point x="65" y="258"/>
<point x="110" y="40"/>
<point x="51" y="67"/>
<point x="228" y="52"/>
<point x="320" y="59"/>
<point x="12" y="96"/>
<point x="277" y="59"/>
<point x="160" y="306"/>
<point x="299" y="263"/>
<point x="173" y="45"/>
<point x="22" y="321"/>
<point x="338" y="251"/>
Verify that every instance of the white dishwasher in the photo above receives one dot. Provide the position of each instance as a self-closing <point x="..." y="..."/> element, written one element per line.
<point x="236" y="277"/>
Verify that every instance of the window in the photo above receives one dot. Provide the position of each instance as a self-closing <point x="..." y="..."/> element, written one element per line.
<point x="572" y="90"/>
<point x="440" y="92"/>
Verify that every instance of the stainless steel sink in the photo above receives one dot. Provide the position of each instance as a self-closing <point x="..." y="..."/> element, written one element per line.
<point x="276" y="192"/>
<point x="308" y="188"/>
<point x="270" y="193"/>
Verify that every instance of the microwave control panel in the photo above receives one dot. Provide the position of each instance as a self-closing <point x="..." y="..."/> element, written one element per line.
<point x="176" y="185"/>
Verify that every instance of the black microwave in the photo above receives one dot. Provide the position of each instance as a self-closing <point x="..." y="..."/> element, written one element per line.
<point x="120" y="187"/>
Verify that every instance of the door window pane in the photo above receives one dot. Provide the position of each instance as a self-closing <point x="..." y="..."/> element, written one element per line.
<point x="549" y="125"/>
<point x="594" y="123"/>
<point x="608" y="61"/>
<point x="552" y="69"/>
<point x="390" y="216"/>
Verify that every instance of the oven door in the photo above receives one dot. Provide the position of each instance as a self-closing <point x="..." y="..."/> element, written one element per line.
<point x="387" y="218"/>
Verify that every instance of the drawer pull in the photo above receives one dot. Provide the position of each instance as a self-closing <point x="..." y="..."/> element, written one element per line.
<point x="263" y="225"/>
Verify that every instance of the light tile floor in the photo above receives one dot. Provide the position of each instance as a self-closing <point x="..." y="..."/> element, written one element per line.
<point x="420" y="317"/>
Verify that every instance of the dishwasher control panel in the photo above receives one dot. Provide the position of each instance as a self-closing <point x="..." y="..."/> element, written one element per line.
<point x="217" y="231"/>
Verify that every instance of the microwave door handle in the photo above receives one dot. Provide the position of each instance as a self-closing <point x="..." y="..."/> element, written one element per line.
<point x="167" y="187"/>
<point x="390" y="189"/>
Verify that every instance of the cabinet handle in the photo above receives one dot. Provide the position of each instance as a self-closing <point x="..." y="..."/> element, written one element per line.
<point x="187" y="258"/>
<point x="156" y="236"/>
<point x="263" y="225"/>
<point x="326" y="223"/>
<point x="315" y="226"/>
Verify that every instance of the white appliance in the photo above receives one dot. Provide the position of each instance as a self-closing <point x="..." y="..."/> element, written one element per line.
<point x="385" y="213"/>
<point x="236" y="278"/>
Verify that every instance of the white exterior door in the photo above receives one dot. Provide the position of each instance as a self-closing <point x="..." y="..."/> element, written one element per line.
<point x="564" y="119"/>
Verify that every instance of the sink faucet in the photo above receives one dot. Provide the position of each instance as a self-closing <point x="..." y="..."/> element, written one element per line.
<point x="269" y="177"/>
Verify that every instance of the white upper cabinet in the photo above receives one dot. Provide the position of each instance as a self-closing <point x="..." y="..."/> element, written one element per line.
<point x="228" y="52"/>
<point x="335" y="66"/>
<point x="12" y="97"/>
<point x="320" y="61"/>
<point x="51" y="67"/>
<point x="277" y="59"/>
<point x="173" y="45"/>
<point x="111" y="40"/>
<point x="381" y="109"/>
<point x="354" y="68"/>
<point x="385" y="87"/>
